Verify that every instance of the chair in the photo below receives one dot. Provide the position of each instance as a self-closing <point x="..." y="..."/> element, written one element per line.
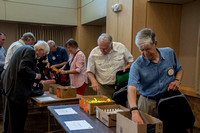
<point x="176" y="114"/>
<point x="120" y="92"/>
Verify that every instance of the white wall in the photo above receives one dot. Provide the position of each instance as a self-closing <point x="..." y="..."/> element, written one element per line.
<point x="61" y="12"/>
<point x="92" y="10"/>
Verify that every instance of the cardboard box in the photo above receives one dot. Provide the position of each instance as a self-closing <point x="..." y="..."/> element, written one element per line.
<point x="107" y="113"/>
<point x="53" y="88"/>
<point x="126" y="125"/>
<point x="46" y="84"/>
<point x="90" y="108"/>
<point x="66" y="91"/>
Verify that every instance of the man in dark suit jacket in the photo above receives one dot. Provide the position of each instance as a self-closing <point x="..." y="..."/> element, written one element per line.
<point x="17" y="81"/>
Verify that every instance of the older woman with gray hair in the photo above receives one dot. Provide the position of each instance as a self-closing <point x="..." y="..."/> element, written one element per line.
<point x="154" y="73"/>
<point x="17" y="81"/>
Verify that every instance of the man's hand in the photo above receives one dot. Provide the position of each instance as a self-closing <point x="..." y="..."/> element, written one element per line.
<point x="136" y="117"/>
<point x="95" y="86"/>
<point x="127" y="66"/>
<point x="48" y="65"/>
<point x="38" y="76"/>
<point x="53" y="66"/>
<point x="63" y="72"/>
<point x="124" y="68"/>
<point x="174" y="85"/>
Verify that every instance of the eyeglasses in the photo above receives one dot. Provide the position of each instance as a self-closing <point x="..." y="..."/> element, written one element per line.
<point x="146" y="49"/>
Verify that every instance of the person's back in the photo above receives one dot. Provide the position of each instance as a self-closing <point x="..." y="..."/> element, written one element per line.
<point x="27" y="39"/>
<point x="18" y="75"/>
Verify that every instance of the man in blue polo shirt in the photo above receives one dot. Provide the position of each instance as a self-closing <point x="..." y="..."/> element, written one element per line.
<point x="154" y="73"/>
<point x="57" y="56"/>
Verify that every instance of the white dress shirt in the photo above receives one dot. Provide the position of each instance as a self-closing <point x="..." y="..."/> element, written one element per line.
<point x="13" y="47"/>
<point x="105" y="67"/>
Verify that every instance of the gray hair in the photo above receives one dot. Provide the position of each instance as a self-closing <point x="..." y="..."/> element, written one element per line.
<point x="51" y="42"/>
<point x="145" y="36"/>
<point x="42" y="44"/>
<point x="1" y="33"/>
<point x="105" y="38"/>
<point x="28" y="35"/>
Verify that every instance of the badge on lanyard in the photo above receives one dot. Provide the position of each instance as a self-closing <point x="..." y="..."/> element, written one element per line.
<point x="53" y="58"/>
<point x="170" y="72"/>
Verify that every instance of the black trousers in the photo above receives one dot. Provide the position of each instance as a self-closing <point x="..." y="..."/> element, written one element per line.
<point x="14" y="117"/>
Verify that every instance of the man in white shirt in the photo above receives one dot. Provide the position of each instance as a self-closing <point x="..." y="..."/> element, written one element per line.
<point x="104" y="62"/>
<point x="27" y="39"/>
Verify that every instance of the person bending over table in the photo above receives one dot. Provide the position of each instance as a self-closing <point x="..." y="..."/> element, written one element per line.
<point x="154" y="73"/>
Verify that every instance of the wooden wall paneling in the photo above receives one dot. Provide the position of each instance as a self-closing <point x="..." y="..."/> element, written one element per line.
<point x="173" y="1"/>
<point x="10" y="29"/>
<point x="197" y="76"/>
<point x="88" y="38"/>
<point x="112" y="20"/>
<point x="190" y="21"/>
<point x="139" y="22"/>
<point x="125" y="23"/>
<point x="165" y="20"/>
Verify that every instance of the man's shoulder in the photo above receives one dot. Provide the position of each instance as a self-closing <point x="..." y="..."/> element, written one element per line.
<point x="95" y="51"/>
<point x="26" y="48"/>
<point x="118" y="45"/>
<point x="15" y="44"/>
<point x="166" y="49"/>
<point x="61" y="48"/>
<point x="139" y="61"/>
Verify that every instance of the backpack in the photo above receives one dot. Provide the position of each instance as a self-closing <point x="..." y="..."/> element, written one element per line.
<point x="175" y="113"/>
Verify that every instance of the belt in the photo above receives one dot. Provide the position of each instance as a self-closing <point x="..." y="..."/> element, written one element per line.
<point x="153" y="98"/>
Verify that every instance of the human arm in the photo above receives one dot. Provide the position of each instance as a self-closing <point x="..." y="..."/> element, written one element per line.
<point x="128" y="58"/>
<point x="77" y="65"/>
<point x="176" y="83"/>
<point x="63" y="59"/>
<point x="132" y="95"/>
<point x="58" y="65"/>
<point x="95" y="85"/>
<point x="69" y="72"/>
<point x="27" y="66"/>
<point x="127" y="66"/>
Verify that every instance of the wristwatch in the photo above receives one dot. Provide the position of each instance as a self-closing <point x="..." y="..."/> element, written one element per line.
<point x="133" y="108"/>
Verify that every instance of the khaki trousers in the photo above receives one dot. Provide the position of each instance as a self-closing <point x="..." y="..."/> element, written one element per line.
<point x="106" y="90"/>
<point x="148" y="106"/>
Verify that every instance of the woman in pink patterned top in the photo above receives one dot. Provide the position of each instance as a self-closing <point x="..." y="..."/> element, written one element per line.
<point x="77" y="72"/>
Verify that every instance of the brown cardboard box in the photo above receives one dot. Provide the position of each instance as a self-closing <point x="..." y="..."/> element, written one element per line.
<point x="46" y="84"/>
<point x="66" y="91"/>
<point x="90" y="108"/>
<point x="126" y="125"/>
<point x="53" y="88"/>
<point x="103" y="113"/>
